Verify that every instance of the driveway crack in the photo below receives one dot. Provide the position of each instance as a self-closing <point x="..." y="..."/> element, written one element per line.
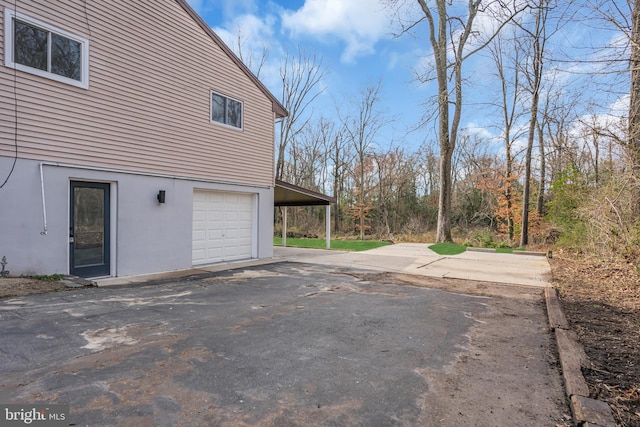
<point x="432" y="262"/>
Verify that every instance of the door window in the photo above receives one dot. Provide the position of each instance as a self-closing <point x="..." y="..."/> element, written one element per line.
<point x="89" y="229"/>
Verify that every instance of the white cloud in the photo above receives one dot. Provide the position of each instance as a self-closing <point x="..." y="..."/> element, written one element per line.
<point x="252" y="37"/>
<point x="612" y="122"/>
<point x="481" y="132"/>
<point x="358" y="23"/>
<point x="611" y="119"/>
<point x="247" y="30"/>
<point x="620" y="107"/>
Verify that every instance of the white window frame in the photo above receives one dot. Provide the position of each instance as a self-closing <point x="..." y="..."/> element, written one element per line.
<point x="213" y="92"/>
<point x="9" y="32"/>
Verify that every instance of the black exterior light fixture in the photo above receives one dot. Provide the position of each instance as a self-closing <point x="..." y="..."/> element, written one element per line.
<point x="161" y="196"/>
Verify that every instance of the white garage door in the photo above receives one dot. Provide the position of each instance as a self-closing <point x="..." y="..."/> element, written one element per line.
<point x="222" y="226"/>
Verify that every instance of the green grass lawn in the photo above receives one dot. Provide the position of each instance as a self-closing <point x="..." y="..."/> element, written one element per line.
<point x="508" y="250"/>
<point x="343" y="245"/>
<point x="448" y="248"/>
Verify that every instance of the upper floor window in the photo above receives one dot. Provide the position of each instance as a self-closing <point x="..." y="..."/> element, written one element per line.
<point x="226" y="110"/>
<point x="38" y="48"/>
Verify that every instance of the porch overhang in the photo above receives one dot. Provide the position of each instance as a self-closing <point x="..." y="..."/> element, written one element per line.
<point x="286" y="194"/>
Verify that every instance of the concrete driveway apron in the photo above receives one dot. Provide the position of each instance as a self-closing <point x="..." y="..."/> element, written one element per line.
<point x="287" y="344"/>
<point x="418" y="259"/>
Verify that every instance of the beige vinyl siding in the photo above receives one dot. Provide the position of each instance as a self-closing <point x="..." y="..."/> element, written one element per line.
<point x="151" y="71"/>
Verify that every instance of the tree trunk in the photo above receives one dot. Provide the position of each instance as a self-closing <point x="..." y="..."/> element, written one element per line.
<point x="543" y="174"/>
<point x="536" y="79"/>
<point x="596" y="160"/>
<point x="438" y="37"/>
<point x="508" y="194"/>
<point x="461" y="29"/>
<point x="526" y="193"/>
<point x="361" y="194"/>
<point x="443" y="230"/>
<point x="634" y="107"/>
<point x="440" y="45"/>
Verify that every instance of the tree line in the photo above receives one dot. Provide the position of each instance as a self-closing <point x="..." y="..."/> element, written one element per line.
<point x="559" y="169"/>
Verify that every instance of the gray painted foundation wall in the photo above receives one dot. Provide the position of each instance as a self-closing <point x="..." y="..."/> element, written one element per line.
<point x="146" y="237"/>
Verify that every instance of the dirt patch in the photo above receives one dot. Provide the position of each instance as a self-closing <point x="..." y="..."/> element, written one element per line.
<point x="486" y="387"/>
<point x="12" y="287"/>
<point x="601" y="300"/>
<point x="18" y="286"/>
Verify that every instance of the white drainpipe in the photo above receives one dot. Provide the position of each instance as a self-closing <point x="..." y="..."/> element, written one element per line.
<point x="44" y="204"/>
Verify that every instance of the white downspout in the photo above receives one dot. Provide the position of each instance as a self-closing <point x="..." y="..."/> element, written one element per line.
<point x="44" y="204"/>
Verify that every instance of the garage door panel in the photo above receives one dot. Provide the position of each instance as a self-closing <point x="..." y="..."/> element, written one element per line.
<point x="238" y="249"/>
<point x="236" y="235"/>
<point x="214" y="198"/>
<point x="199" y="255"/>
<point x="214" y="237"/>
<point x="244" y="216"/>
<point x="213" y="253"/>
<point x="222" y="226"/>
<point x="199" y="215"/>
<point x="215" y="216"/>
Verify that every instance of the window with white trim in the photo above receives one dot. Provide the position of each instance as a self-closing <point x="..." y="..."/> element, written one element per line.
<point x="41" y="49"/>
<point x="226" y="110"/>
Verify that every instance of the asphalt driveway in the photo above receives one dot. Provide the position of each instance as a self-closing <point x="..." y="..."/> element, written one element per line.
<point x="286" y="344"/>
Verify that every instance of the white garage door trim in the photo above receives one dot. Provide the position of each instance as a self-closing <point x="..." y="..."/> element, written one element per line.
<point x="224" y="226"/>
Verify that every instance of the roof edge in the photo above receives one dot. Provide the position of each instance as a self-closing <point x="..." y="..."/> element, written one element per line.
<point x="323" y="197"/>
<point x="277" y="107"/>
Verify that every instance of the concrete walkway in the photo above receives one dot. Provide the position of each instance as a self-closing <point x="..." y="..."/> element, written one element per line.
<point x="418" y="259"/>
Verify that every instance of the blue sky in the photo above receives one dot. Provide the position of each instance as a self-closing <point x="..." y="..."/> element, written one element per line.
<point x="355" y="39"/>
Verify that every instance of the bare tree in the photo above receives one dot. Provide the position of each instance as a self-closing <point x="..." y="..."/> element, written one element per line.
<point x="427" y="169"/>
<point x="306" y="155"/>
<point x="549" y="16"/>
<point x="558" y="121"/>
<point x="634" y="105"/>
<point x="533" y="71"/>
<point x="508" y="73"/>
<point x="339" y="155"/>
<point x="388" y="167"/>
<point x="301" y="84"/>
<point x="624" y="61"/>
<point x="361" y="129"/>
<point x="255" y="63"/>
<point x="541" y="125"/>
<point x="449" y="35"/>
